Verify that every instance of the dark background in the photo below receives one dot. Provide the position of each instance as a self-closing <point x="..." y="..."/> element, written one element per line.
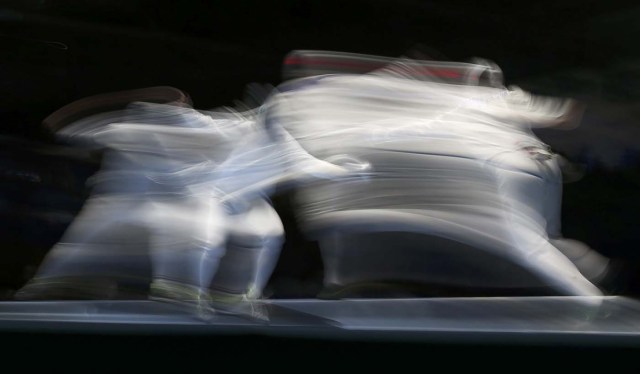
<point x="57" y="51"/>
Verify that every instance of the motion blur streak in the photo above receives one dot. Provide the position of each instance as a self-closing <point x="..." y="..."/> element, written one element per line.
<point x="404" y="170"/>
<point x="197" y="184"/>
<point x="460" y="190"/>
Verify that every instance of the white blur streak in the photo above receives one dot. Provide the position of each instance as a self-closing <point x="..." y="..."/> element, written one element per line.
<point x="455" y="161"/>
<point x="402" y="176"/>
<point x="198" y="183"/>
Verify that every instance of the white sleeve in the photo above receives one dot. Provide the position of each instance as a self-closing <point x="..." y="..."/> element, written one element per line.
<point x="540" y="111"/>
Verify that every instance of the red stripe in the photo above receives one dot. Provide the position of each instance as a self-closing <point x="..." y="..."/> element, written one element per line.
<point x="364" y="65"/>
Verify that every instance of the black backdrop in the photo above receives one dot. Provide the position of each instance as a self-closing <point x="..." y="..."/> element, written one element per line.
<point x="55" y="51"/>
